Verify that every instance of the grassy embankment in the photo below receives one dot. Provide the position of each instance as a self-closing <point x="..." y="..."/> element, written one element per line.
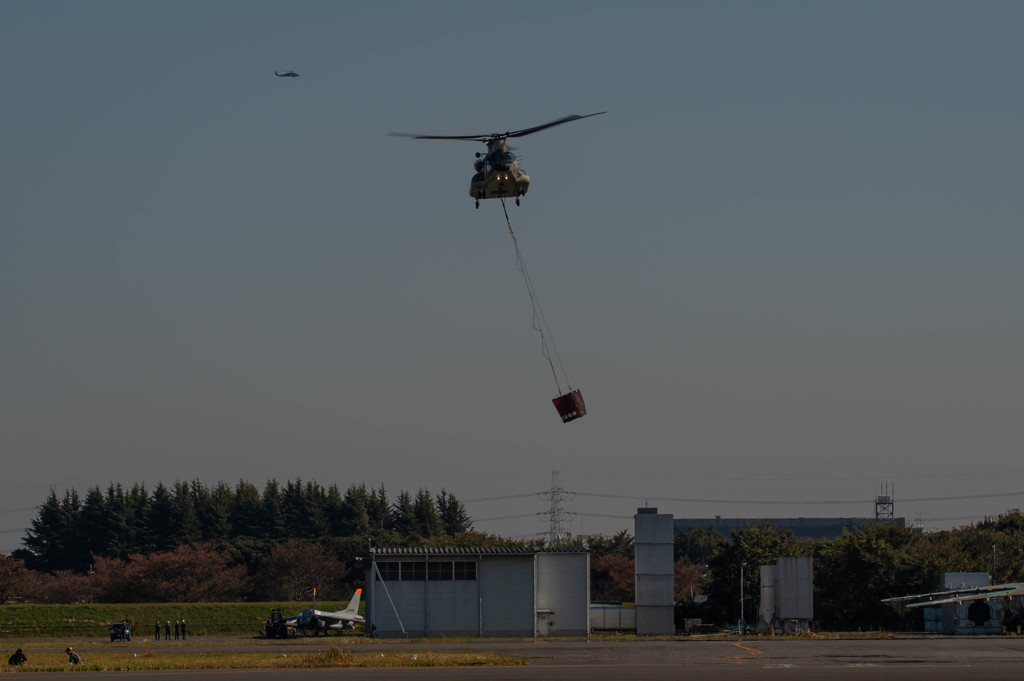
<point x="93" y="620"/>
<point x="110" y="660"/>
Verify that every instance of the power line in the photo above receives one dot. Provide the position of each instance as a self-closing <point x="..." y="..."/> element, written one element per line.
<point x="506" y="517"/>
<point x="751" y="502"/>
<point x="913" y="476"/>
<point x="502" y="498"/>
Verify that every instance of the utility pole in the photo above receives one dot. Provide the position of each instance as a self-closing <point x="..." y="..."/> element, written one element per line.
<point x="992" y="574"/>
<point x="740" y="627"/>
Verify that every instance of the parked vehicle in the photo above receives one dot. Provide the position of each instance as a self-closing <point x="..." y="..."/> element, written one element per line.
<point x="120" y="631"/>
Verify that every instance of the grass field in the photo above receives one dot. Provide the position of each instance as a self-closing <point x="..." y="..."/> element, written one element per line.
<point x="329" y="656"/>
<point x="93" y="620"/>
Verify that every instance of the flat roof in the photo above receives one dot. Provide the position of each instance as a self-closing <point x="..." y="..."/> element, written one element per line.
<point x="467" y="551"/>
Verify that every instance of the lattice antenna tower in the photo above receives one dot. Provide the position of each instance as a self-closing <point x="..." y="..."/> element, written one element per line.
<point x="884" y="506"/>
<point x="556" y="515"/>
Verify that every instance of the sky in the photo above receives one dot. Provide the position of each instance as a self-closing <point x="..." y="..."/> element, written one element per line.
<point x="783" y="267"/>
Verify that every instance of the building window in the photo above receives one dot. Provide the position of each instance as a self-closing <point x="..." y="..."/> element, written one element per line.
<point x="465" y="570"/>
<point x="439" y="571"/>
<point x="414" y="572"/>
<point x="388" y="571"/>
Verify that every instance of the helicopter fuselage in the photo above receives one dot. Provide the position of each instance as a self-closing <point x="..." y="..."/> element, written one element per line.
<point x="498" y="174"/>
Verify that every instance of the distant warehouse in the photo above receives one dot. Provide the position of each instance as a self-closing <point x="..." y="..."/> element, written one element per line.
<point x="478" y="592"/>
<point x="813" y="528"/>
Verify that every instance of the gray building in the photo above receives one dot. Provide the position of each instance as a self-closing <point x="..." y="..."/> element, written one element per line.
<point x="655" y="586"/>
<point x="478" y="592"/>
<point x="813" y="528"/>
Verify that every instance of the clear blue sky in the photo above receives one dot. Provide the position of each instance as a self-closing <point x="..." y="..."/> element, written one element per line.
<point x="785" y="265"/>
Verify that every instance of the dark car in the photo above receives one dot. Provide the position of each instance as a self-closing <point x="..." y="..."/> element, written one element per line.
<point x="120" y="631"/>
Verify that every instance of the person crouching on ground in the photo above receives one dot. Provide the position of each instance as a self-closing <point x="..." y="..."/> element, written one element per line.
<point x="73" y="657"/>
<point x="17" y="659"/>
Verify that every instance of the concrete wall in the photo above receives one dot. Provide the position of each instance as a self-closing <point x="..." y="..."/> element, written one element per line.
<point x="654" y="573"/>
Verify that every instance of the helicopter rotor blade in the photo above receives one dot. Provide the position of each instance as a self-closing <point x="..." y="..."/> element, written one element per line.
<point x="497" y="135"/>
<point x="472" y="138"/>
<point x="545" y="126"/>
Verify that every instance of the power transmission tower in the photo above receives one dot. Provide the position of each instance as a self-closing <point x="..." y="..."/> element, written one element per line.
<point x="556" y="514"/>
<point x="884" y="506"/>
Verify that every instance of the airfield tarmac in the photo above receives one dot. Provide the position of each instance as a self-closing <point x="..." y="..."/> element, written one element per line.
<point x="902" y="659"/>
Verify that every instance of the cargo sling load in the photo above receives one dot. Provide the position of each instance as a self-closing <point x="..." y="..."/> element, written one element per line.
<point x="569" y="405"/>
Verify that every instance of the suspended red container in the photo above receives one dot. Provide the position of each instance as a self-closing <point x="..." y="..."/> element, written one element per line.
<point x="570" y="406"/>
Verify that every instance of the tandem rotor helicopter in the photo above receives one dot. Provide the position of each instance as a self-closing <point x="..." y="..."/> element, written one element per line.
<point x="497" y="172"/>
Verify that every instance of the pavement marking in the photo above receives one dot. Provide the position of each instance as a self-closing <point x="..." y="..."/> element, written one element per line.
<point x="759" y="652"/>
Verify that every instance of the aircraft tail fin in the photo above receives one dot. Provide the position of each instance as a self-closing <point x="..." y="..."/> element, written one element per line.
<point x="353" y="605"/>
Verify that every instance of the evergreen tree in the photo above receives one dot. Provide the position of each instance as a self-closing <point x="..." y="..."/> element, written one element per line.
<point x="136" y="511"/>
<point x="187" y="528"/>
<point x="427" y="521"/>
<point x="334" y="511"/>
<point x="95" y="530"/>
<point x="160" y="530"/>
<point x="314" y="501"/>
<point x="46" y="535"/>
<point x="454" y="519"/>
<point x="117" y="510"/>
<point x="378" y="510"/>
<point x="246" y="512"/>
<point x="271" y="513"/>
<point x="293" y="508"/>
<point x="215" y="513"/>
<point x="403" y="516"/>
<point x="355" y="515"/>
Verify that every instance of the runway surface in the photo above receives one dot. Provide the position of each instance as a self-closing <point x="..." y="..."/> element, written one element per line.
<point x="934" y="659"/>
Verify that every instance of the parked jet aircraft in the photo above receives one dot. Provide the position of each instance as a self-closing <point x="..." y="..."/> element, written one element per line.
<point x="321" y="621"/>
<point x="1010" y="595"/>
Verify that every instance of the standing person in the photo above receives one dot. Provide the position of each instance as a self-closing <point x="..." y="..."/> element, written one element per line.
<point x="167" y="630"/>
<point x="184" y="630"/>
<point x="177" y="629"/>
<point x="156" y="635"/>
<point x="17" y="659"/>
<point x="73" y="657"/>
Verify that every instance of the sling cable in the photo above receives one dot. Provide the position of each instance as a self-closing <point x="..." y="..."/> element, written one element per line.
<point x="569" y="405"/>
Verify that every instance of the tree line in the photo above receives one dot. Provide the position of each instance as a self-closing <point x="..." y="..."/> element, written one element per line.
<point x="69" y="533"/>
<point x="196" y="543"/>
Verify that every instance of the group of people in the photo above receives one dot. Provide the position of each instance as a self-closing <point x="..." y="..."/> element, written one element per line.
<point x="18" y="658"/>
<point x="180" y="630"/>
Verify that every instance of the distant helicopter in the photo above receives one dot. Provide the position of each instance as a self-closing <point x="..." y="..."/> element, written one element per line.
<point x="497" y="172"/>
<point x="287" y="74"/>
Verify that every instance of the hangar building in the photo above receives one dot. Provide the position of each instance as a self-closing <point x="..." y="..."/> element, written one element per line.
<point x="478" y="591"/>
